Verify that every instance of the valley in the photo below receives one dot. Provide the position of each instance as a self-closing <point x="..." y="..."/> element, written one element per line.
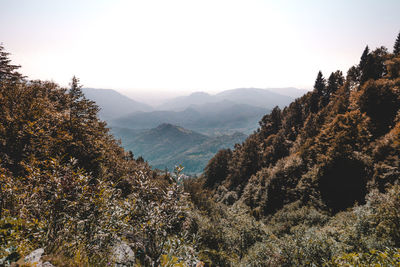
<point x="187" y="130"/>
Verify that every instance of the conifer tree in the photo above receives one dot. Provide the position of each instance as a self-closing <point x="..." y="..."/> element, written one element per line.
<point x="364" y="58"/>
<point x="76" y="89"/>
<point x="7" y="70"/>
<point x="319" y="85"/>
<point x="217" y="168"/>
<point x="373" y="64"/>
<point x="396" y="48"/>
<point x="81" y="107"/>
<point x="335" y="80"/>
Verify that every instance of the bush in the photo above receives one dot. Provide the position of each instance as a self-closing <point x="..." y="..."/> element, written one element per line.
<point x="388" y="257"/>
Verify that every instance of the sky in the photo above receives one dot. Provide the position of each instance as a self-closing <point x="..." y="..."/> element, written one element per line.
<point x="149" y="49"/>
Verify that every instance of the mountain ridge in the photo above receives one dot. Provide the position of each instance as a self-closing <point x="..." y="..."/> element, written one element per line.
<point x="252" y="96"/>
<point x="207" y="119"/>
<point x="168" y="145"/>
<point x="114" y="104"/>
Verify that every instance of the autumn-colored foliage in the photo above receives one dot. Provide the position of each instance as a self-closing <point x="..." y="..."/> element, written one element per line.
<point x="316" y="185"/>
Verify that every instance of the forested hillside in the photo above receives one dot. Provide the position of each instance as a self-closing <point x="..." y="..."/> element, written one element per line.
<point x="67" y="186"/>
<point x="323" y="172"/>
<point x="316" y="185"/>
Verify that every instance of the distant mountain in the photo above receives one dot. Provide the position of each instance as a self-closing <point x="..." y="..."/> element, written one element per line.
<point x="113" y="104"/>
<point x="213" y="118"/>
<point x="182" y="102"/>
<point x="255" y="97"/>
<point x="264" y="98"/>
<point x="289" y="91"/>
<point x="169" y="145"/>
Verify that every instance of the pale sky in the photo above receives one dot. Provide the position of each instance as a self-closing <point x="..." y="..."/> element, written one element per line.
<point x="171" y="47"/>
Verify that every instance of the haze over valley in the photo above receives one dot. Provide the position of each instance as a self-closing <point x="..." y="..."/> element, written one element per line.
<point x="200" y="124"/>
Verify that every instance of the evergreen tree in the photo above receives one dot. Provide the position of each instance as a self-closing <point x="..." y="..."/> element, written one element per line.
<point x="76" y="89"/>
<point x="7" y="70"/>
<point x="271" y="123"/>
<point x="335" y="80"/>
<point x="353" y="76"/>
<point x="81" y="107"/>
<point x="217" y="168"/>
<point x="373" y="64"/>
<point x="84" y="127"/>
<point x="319" y="85"/>
<point x="364" y="58"/>
<point x="396" y="48"/>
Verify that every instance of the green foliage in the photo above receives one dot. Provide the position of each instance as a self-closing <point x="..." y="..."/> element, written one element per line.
<point x="294" y="217"/>
<point x="380" y="101"/>
<point x="217" y="168"/>
<point x="67" y="186"/>
<point x="388" y="257"/>
<point x="320" y="172"/>
<point x="166" y="145"/>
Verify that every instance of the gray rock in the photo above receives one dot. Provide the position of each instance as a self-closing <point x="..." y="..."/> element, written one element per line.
<point x="34" y="259"/>
<point x="34" y="256"/>
<point x="123" y="255"/>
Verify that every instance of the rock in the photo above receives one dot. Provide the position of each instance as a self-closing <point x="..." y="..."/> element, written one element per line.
<point x="123" y="255"/>
<point x="34" y="257"/>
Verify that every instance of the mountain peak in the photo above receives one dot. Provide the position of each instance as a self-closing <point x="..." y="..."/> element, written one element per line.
<point x="114" y="104"/>
<point x="168" y="127"/>
<point x="199" y="94"/>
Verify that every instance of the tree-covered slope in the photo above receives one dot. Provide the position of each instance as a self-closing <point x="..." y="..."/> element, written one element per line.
<point x="167" y="146"/>
<point x="323" y="146"/>
<point x="67" y="187"/>
<point x="317" y="183"/>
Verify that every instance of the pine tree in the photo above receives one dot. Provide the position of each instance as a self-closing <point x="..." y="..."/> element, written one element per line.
<point x="271" y="123"/>
<point x="353" y="76"/>
<point x="319" y="85"/>
<point x="217" y="168"/>
<point x="81" y="107"/>
<point x="373" y="64"/>
<point x="364" y="58"/>
<point x="396" y="48"/>
<point x="7" y="70"/>
<point x="76" y="90"/>
<point x="335" y="80"/>
<point x="84" y="127"/>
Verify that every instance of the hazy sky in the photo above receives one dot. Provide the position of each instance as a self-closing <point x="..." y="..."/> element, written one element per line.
<point x="177" y="46"/>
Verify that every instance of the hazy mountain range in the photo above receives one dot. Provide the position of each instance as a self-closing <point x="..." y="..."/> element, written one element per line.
<point x="212" y="119"/>
<point x="265" y="98"/>
<point x="187" y="130"/>
<point x="113" y="104"/>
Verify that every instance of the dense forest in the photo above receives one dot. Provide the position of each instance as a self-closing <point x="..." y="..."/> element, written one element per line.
<point x="317" y="183"/>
